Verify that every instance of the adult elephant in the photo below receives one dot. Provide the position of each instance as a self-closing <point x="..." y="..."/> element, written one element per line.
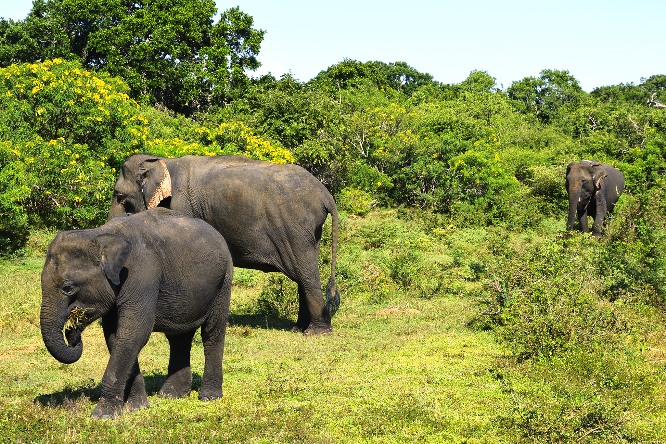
<point x="154" y="271"/>
<point x="270" y="215"/>
<point x="593" y="189"/>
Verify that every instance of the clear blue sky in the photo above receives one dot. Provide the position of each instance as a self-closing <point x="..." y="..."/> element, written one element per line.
<point x="600" y="42"/>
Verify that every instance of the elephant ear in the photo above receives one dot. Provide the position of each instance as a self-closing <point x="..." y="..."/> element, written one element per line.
<point x="155" y="181"/>
<point x="113" y="253"/>
<point x="598" y="175"/>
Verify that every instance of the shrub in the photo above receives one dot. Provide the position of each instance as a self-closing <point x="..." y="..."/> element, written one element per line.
<point x="14" y="192"/>
<point x="545" y="300"/>
<point x="278" y="298"/>
<point x="355" y="201"/>
<point x="633" y="262"/>
<point x="482" y="186"/>
<point x="66" y="132"/>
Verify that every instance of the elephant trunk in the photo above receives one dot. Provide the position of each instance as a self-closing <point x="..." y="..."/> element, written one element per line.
<point x="574" y="200"/>
<point x="52" y="322"/>
<point x="116" y="209"/>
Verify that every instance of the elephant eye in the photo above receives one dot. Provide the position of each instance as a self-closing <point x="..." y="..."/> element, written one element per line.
<point x="121" y="198"/>
<point x="68" y="288"/>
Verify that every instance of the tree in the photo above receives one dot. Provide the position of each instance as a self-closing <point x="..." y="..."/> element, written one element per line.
<point x="398" y="76"/>
<point x="168" y="51"/>
<point x="478" y="81"/>
<point x="545" y="96"/>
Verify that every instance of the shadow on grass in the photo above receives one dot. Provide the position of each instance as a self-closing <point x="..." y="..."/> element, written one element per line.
<point x="69" y="395"/>
<point x="267" y="322"/>
<point x="90" y="390"/>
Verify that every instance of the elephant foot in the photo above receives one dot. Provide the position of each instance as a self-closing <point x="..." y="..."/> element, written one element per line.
<point x="137" y="397"/>
<point x="133" y="405"/>
<point x="210" y="394"/>
<point x="108" y="408"/>
<point x="318" y="329"/>
<point x="177" y="385"/>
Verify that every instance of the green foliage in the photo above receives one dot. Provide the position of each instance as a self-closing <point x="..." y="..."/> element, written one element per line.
<point x="14" y="192"/>
<point x="65" y="132"/>
<point x="170" y="53"/>
<point x="278" y="298"/>
<point x="355" y="201"/>
<point x="633" y="265"/>
<point x="547" y="96"/>
<point x="651" y="90"/>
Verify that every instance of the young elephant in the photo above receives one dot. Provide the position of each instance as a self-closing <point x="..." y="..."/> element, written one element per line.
<point x="593" y="189"/>
<point x="153" y="271"/>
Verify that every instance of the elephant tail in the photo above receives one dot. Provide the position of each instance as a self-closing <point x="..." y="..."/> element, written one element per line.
<point x="332" y="293"/>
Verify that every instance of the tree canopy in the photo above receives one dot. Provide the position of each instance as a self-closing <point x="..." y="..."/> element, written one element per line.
<point x="170" y="52"/>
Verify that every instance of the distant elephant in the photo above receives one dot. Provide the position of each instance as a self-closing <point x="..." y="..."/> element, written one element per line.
<point x="270" y="215"/>
<point x="154" y="271"/>
<point x="593" y="189"/>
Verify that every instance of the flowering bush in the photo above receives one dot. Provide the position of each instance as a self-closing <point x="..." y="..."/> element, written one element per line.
<point x="65" y="131"/>
<point x="226" y="139"/>
<point x="64" y="135"/>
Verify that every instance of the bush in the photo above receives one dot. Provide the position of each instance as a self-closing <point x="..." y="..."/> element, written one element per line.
<point x="278" y="298"/>
<point x="546" y="300"/>
<point x="633" y="264"/>
<point x="355" y="201"/>
<point x="14" y="192"/>
<point x="66" y="133"/>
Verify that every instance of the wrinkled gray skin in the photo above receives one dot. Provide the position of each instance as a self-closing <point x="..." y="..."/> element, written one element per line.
<point x="154" y="271"/>
<point x="270" y="215"/>
<point x="593" y="189"/>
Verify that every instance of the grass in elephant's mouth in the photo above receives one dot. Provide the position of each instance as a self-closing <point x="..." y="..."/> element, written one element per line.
<point x="75" y="319"/>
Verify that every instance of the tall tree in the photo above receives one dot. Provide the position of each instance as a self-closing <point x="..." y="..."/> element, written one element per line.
<point x="398" y="76"/>
<point x="170" y="52"/>
<point x="544" y="97"/>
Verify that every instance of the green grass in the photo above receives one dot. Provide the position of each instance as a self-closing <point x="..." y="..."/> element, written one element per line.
<point x="402" y="365"/>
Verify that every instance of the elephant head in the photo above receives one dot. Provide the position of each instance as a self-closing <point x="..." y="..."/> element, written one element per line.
<point x="144" y="182"/>
<point x="79" y="281"/>
<point x="583" y="181"/>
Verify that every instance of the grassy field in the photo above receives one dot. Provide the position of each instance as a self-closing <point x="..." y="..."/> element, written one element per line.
<point x="402" y="365"/>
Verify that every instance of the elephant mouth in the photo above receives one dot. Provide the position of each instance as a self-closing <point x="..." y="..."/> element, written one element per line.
<point x="76" y="322"/>
<point x="73" y="336"/>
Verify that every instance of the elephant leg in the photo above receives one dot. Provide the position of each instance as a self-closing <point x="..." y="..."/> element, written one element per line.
<point x="212" y="336"/>
<point x="304" y="315"/>
<point x="312" y="318"/>
<point x="122" y="381"/>
<point x="135" y="396"/>
<point x="135" y="391"/>
<point x="179" y="380"/>
<point x="582" y="218"/>
<point x="302" y="267"/>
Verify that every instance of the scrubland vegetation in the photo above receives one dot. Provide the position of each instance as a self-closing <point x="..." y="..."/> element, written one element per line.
<point x="467" y="314"/>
